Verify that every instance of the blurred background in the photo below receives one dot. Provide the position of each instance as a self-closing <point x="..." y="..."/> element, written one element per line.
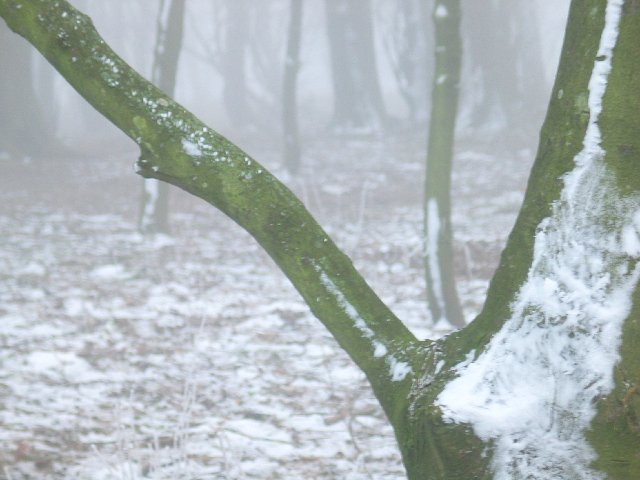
<point x="365" y="67"/>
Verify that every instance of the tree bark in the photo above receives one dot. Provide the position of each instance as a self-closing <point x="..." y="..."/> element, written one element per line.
<point x="442" y="295"/>
<point x="558" y="335"/>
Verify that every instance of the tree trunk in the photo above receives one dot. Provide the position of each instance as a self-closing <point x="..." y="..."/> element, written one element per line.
<point x="408" y="43"/>
<point x="358" y="104"/>
<point x="233" y="67"/>
<point x="544" y="383"/>
<point x="23" y="128"/>
<point x="440" y="278"/>
<point x="509" y="86"/>
<point x="550" y="386"/>
<point x="154" y="215"/>
<point x="289" y="90"/>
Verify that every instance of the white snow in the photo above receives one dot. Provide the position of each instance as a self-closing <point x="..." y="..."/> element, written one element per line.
<point x="109" y="272"/>
<point x="397" y="370"/>
<point x="441" y="11"/>
<point x="191" y="148"/>
<point x="433" y="230"/>
<point x="532" y="391"/>
<point x="247" y="341"/>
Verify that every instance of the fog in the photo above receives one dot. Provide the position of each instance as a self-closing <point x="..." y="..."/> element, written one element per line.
<point x="529" y="35"/>
<point x="129" y="354"/>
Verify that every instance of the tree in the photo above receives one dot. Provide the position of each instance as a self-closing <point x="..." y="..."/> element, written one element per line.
<point x="358" y="104"/>
<point x="24" y="128"/>
<point x="233" y="64"/>
<point x="441" y="285"/>
<point x="407" y="45"/>
<point x="289" y="90"/>
<point x="506" y="88"/>
<point x="544" y="383"/>
<point x="154" y="216"/>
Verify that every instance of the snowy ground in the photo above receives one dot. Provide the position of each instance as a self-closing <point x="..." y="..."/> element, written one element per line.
<point x="191" y="356"/>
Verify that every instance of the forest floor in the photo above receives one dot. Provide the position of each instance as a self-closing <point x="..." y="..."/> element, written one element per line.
<point x="190" y="356"/>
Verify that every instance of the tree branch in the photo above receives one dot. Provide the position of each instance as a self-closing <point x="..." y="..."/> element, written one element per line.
<point x="179" y="149"/>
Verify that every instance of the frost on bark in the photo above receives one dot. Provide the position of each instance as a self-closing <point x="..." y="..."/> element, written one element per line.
<point x="289" y="89"/>
<point x="545" y="382"/>
<point x="438" y="236"/>
<point x="154" y="215"/>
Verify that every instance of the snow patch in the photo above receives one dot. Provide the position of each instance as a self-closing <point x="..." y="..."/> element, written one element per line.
<point x="191" y="148"/>
<point x="441" y="11"/>
<point x="533" y="390"/>
<point x="433" y="230"/>
<point x="397" y="370"/>
<point x="62" y="365"/>
<point x="109" y="272"/>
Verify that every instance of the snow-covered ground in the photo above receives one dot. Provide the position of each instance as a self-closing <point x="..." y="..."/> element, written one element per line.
<point x="191" y="356"/>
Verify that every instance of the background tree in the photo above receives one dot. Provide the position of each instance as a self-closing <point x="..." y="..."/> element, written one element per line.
<point x="407" y="44"/>
<point x="502" y="84"/>
<point x="441" y="284"/>
<point x="154" y="215"/>
<point x="358" y="104"/>
<point x="25" y="129"/>
<point x="233" y="63"/>
<point x="544" y="381"/>
<point x="290" y="89"/>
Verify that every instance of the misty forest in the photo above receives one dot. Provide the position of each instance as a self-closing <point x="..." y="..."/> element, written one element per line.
<point x="330" y="239"/>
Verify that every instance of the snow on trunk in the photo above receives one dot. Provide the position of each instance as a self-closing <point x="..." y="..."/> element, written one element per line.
<point x="398" y="370"/>
<point x="532" y="392"/>
<point x="151" y="194"/>
<point x="433" y="260"/>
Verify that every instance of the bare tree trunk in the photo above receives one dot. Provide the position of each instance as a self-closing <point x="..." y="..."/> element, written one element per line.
<point x="289" y="90"/>
<point x="408" y="44"/>
<point x="358" y="104"/>
<point x="154" y="216"/>
<point x="233" y="65"/>
<point x="24" y="129"/>
<point x="510" y="85"/>
<point x="442" y="295"/>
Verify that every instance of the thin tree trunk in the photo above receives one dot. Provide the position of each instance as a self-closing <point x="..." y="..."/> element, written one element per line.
<point x="289" y="90"/>
<point x="23" y="128"/>
<point x="442" y="296"/>
<point x="154" y="216"/>
<point x="358" y="104"/>
<point x="235" y="92"/>
<point x="510" y="88"/>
